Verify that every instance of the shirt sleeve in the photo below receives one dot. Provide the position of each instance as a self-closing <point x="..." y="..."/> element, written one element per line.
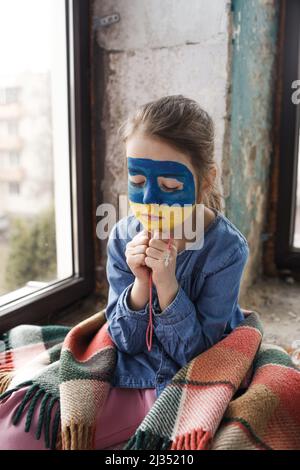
<point x="126" y="327"/>
<point x="186" y="328"/>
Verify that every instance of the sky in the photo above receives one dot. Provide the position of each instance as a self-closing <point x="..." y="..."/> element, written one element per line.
<point x="26" y="29"/>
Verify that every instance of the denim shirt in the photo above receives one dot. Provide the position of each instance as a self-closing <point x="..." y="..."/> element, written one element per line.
<point x="204" y="310"/>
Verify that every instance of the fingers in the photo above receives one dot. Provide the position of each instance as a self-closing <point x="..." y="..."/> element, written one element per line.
<point x="161" y="245"/>
<point x="143" y="250"/>
<point x="135" y="255"/>
<point x="136" y="249"/>
<point x="157" y="263"/>
<point x="141" y="238"/>
<point x="160" y="255"/>
<point x="137" y="260"/>
<point x="154" y="253"/>
<point x="158" y="244"/>
<point x="151" y="262"/>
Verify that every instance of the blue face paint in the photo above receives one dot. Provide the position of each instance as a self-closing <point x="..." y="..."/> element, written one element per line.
<point x="150" y="191"/>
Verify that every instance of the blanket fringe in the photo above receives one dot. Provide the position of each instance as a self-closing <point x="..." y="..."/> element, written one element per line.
<point x="145" y="440"/>
<point x="5" y="379"/>
<point x="11" y="390"/>
<point x="78" y="437"/>
<point x="197" y="439"/>
<point x="6" y="370"/>
<point x="58" y="444"/>
<point x="31" y="397"/>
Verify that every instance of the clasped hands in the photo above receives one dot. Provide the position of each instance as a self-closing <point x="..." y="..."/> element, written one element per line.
<point x="146" y="253"/>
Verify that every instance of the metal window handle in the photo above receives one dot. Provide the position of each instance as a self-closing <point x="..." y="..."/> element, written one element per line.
<point x="105" y="20"/>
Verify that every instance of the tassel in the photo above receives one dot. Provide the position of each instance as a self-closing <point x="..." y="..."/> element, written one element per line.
<point x="198" y="439"/>
<point x="177" y="444"/>
<point x="42" y="414"/>
<point x="58" y="445"/>
<point x="145" y="440"/>
<point x="26" y="399"/>
<point x="31" y="409"/>
<point x="47" y="421"/>
<point x="204" y="440"/>
<point x="5" y="379"/>
<point x="31" y="397"/>
<point x="78" y="437"/>
<point x="149" y="332"/>
<point x="55" y="438"/>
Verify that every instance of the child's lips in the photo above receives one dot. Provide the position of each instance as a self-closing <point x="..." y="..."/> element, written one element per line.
<point x="152" y="216"/>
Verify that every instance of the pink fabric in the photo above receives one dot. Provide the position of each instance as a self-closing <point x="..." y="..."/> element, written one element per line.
<point x="124" y="410"/>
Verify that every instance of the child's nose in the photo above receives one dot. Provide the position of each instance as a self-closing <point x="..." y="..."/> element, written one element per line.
<point x="150" y="194"/>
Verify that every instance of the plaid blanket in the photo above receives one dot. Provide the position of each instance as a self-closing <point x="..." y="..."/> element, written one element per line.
<point x="241" y="393"/>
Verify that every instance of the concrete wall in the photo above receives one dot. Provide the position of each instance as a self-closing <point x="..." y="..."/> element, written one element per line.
<point x="186" y="47"/>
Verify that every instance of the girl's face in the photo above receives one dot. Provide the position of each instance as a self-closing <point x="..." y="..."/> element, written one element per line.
<point x="162" y="184"/>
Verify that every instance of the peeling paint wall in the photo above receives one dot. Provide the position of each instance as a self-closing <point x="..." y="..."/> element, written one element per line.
<point x="255" y="29"/>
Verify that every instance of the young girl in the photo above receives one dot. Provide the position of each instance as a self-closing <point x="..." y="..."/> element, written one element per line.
<point x="170" y="155"/>
<point x="189" y="297"/>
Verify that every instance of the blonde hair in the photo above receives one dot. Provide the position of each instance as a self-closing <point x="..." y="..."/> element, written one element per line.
<point x="182" y="123"/>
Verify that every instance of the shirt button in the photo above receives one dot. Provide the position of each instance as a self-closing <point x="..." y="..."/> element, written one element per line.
<point x="160" y="380"/>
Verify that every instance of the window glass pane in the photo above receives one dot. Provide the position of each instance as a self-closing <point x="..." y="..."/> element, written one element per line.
<point x="35" y="202"/>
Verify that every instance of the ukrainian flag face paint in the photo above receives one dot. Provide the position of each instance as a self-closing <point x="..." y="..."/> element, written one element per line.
<point x="161" y="193"/>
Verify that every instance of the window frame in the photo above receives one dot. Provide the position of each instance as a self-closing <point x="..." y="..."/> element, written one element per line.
<point x="286" y="255"/>
<point x="36" y="307"/>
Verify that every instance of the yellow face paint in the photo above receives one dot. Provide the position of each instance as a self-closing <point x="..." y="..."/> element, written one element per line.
<point x="160" y="216"/>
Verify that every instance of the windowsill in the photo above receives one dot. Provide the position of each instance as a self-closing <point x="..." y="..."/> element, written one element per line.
<point x="29" y="288"/>
<point x="42" y="303"/>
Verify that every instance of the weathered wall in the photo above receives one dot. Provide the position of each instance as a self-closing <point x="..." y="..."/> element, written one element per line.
<point x="172" y="47"/>
<point x="247" y="163"/>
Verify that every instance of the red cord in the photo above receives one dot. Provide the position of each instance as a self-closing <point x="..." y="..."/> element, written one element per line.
<point x="150" y="324"/>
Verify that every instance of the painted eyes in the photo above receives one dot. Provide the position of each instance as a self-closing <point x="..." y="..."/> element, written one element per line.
<point x="165" y="183"/>
<point x="169" y="184"/>
<point x="137" y="180"/>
